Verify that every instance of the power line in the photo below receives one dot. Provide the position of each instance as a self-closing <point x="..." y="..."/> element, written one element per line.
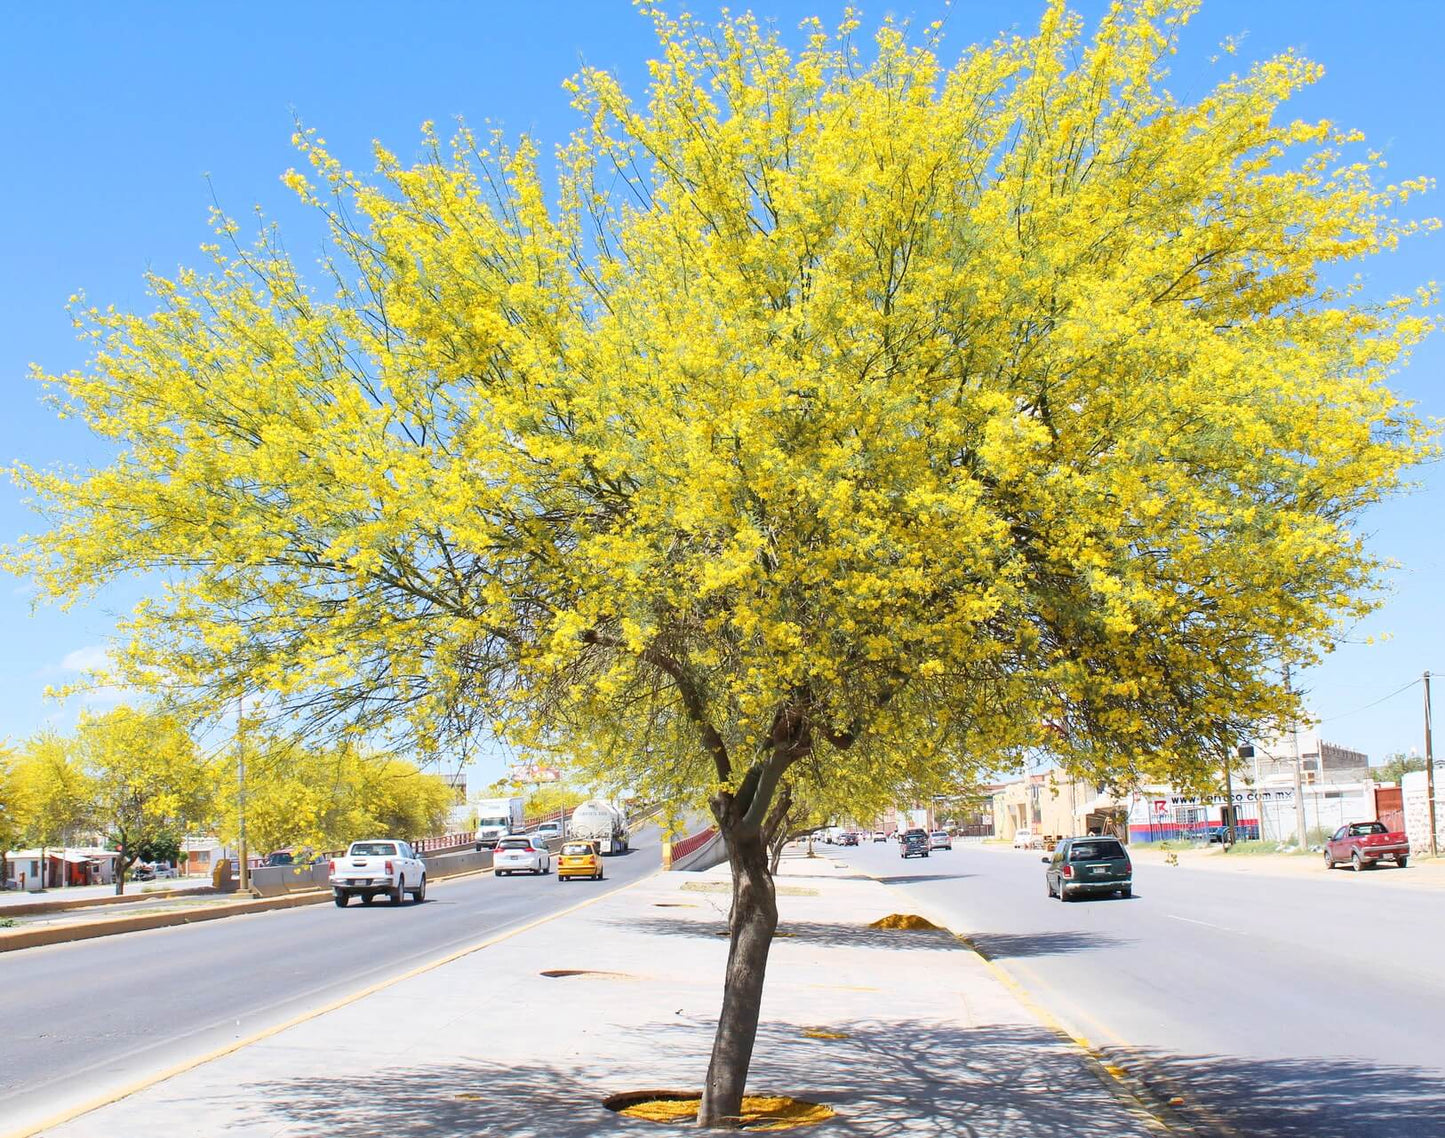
<point x="1376" y="703"/>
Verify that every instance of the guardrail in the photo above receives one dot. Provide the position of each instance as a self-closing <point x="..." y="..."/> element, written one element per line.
<point x="440" y="843"/>
<point x="681" y="849"/>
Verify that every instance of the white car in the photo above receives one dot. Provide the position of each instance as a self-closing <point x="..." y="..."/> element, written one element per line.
<point x="1026" y="839"/>
<point x="547" y="831"/>
<point x="521" y="855"/>
<point x="939" y="840"/>
<point x="381" y="866"/>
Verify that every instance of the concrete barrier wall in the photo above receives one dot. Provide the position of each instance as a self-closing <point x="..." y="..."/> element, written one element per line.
<point x="450" y="864"/>
<point x="466" y="861"/>
<point x="278" y="880"/>
<point x="704" y="857"/>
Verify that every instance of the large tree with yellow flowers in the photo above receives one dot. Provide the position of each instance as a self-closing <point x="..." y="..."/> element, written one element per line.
<point x="844" y="415"/>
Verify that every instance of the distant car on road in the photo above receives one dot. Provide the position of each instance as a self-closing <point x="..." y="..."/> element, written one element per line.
<point x="521" y="855"/>
<point x="939" y="840"/>
<point x="580" y="859"/>
<point x="372" y="868"/>
<point x="847" y="838"/>
<point x="1088" y="865"/>
<point x="913" y="843"/>
<point x="547" y="831"/>
<point x="1026" y="839"/>
<point x="1365" y="845"/>
<point x="879" y="836"/>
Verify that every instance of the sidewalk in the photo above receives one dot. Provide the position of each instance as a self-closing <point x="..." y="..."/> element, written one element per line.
<point x="488" y="1044"/>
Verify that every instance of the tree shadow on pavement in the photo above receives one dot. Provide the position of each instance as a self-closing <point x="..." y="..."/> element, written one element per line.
<point x="934" y="1078"/>
<point x="833" y="934"/>
<point x="1296" y="1098"/>
<point x="882" y="1079"/>
<point x="1001" y="945"/>
<point x="923" y="878"/>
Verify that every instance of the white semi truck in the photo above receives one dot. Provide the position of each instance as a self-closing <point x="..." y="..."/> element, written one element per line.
<point x="496" y="818"/>
<point x="600" y="822"/>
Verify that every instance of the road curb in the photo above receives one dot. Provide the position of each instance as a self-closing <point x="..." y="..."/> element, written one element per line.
<point x="11" y="941"/>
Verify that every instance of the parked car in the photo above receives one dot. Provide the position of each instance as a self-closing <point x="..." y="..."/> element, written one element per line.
<point x="1088" y="865"/>
<point x="372" y="868"/>
<point x="939" y="840"/>
<point x="580" y="859"/>
<point x="1026" y="839"/>
<point x="142" y="871"/>
<point x="165" y="871"/>
<point x="879" y="836"/>
<point x="521" y="855"/>
<point x="913" y="843"/>
<point x="1365" y="845"/>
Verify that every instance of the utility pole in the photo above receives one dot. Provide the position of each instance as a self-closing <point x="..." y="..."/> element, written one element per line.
<point x="1299" y="792"/>
<point x="1228" y="835"/>
<point x="241" y="793"/>
<point x="1430" y="772"/>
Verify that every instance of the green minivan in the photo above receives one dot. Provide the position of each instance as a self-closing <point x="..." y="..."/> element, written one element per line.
<point x="1089" y="865"/>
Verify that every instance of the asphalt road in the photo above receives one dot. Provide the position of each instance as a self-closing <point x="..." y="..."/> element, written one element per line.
<point x="79" y="1019"/>
<point x="1276" y="1008"/>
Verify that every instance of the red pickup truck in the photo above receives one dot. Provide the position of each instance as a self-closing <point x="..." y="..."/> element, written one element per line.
<point x="1364" y="844"/>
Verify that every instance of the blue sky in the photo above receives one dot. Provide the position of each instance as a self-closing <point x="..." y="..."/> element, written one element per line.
<point x="115" y="115"/>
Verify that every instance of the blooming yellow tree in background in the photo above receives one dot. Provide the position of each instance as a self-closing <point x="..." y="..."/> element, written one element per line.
<point x="845" y="416"/>
<point x="147" y="778"/>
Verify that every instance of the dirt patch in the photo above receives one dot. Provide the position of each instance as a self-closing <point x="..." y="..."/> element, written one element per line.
<point x="819" y="1033"/>
<point x="905" y="922"/>
<point x="760" y="1112"/>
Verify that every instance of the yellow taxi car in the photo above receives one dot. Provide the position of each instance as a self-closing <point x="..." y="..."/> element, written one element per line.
<point x="579" y="859"/>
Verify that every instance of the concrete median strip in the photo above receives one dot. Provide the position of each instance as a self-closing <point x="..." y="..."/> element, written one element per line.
<point x="13" y="939"/>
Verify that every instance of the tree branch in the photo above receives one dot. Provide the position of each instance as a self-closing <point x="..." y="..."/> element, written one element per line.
<point x="692" y="701"/>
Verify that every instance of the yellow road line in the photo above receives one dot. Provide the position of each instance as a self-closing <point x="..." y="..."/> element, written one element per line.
<point x="71" y="1114"/>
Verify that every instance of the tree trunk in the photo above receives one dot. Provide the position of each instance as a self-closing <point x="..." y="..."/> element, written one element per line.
<point x="754" y="918"/>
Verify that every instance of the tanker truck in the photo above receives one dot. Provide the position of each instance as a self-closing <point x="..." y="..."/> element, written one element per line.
<point x="600" y="822"/>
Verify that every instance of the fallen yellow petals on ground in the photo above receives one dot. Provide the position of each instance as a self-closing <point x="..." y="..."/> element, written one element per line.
<point x="760" y="1112"/>
<point x="910" y="922"/>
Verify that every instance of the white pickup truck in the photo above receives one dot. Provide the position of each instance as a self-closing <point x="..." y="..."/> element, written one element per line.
<point x="379" y="866"/>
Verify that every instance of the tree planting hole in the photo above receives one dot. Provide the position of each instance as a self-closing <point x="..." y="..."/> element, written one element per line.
<point x="564" y="973"/>
<point x="760" y="1112"/>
